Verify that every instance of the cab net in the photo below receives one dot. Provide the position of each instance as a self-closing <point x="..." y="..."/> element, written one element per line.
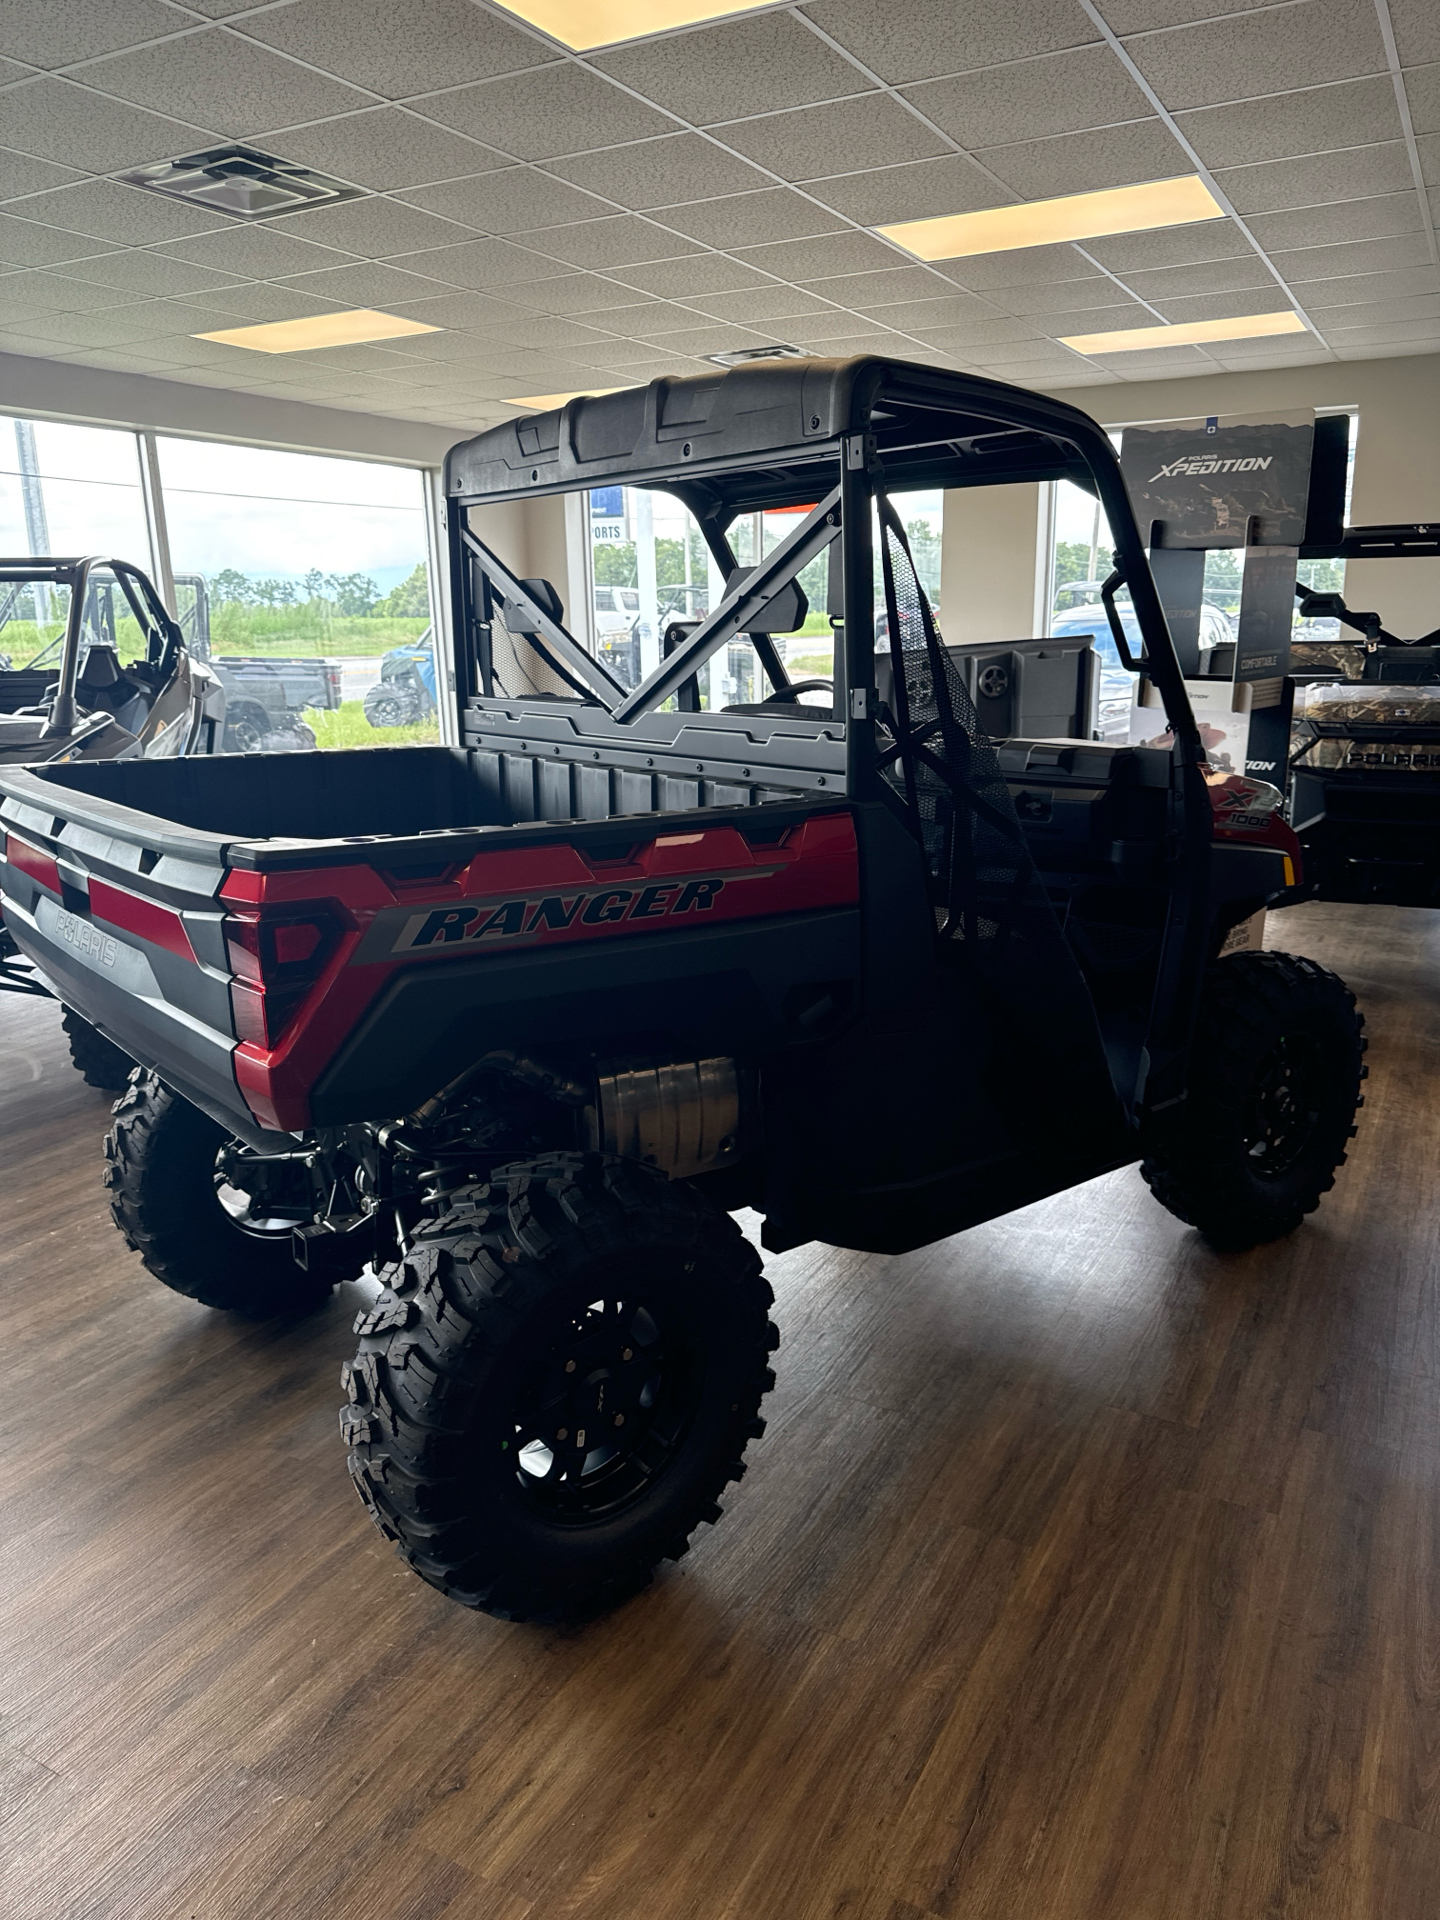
<point x="993" y="914"/>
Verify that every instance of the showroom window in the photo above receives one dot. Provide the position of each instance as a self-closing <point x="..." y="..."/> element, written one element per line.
<point x="314" y="569"/>
<point x="304" y="579"/>
<point x="650" y="568"/>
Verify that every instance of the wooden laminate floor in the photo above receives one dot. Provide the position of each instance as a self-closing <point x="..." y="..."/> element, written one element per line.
<point x="1082" y="1575"/>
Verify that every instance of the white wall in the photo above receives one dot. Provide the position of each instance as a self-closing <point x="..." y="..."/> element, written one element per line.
<point x="990" y="562"/>
<point x="58" y="390"/>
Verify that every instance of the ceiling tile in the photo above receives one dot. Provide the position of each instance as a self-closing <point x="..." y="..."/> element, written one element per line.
<point x="1376" y="219"/>
<point x="543" y="330"/>
<point x="1318" y="180"/>
<point x="664" y="172"/>
<point x="56" y="120"/>
<point x="1429" y="149"/>
<point x="872" y="130"/>
<point x="1060" y="93"/>
<point x="1422" y="90"/>
<point x="1209" y="276"/>
<point x="826" y="255"/>
<point x="13" y="70"/>
<point x="252" y="301"/>
<point x="255" y="253"/>
<point x="763" y="304"/>
<point x="1383" y="331"/>
<point x="372" y="285"/>
<point x="1060" y="322"/>
<point x="25" y="244"/>
<point x="448" y="345"/>
<point x="25" y="294"/>
<point x="1377" y="313"/>
<point x="138" y="271"/>
<point x="843" y="346"/>
<point x="57" y="33"/>
<point x="558" y="110"/>
<point x="713" y="339"/>
<point x="513" y="200"/>
<point x="468" y="310"/>
<point x="743" y="219"/>
<point x="758" y="65"/>
<point x="1065" y="296"/>
<point x="123" y="216"/>
<point x="1360" y="256"/>
<point x="698" y="273"/>
<point x="1240" y="58"/>
<point x="1080" y="162"/>
<point x="162" y="316"/>
<point x="64" y="294"/>
<point x="881" y="288"/>
<point x="1417" y="31"/>
<point x="213" y="79"/>
<point x="374" y="228"/>
<point x="620" y="354"/>
<point x="483" y="264"/>
<point x="385" y="148"/>
<point x="927" y="37"/>
<point x="22" y="173"/>
<point x="953" y="184"/>
<point x="644" y="319"/>
<point x="1134" y="16"/>
<point x="621" y="240"/>
<point x="1021" y="267"/>
<point x="1352" y="288"/>
<point x="578" y="292"/>
<point x="1172" y="246"/>
<point x="1393" y="350"/>
<point x="93" y="329"/>
<point x="1316" y="120"/>
<point x="915" y="316"/>
<point x="443" y="44"/>
<point x="1225" y="306"/>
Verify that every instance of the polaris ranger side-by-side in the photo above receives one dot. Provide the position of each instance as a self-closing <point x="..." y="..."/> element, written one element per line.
<point x="524" y="1019"/>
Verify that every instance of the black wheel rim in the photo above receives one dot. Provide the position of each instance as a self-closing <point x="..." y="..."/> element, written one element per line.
<point x="604" y="1413"/>
<point x="1283" y="1109"/>
<point x="265" y="1199"/>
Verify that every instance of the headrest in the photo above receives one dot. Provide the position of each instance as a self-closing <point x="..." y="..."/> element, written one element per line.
<point x="544" y="596"/>
<point x="101" y="668"/>
<point x="785" y="613"/>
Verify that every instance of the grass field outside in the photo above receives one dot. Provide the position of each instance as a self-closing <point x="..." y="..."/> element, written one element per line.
<point x="346" y="726"/>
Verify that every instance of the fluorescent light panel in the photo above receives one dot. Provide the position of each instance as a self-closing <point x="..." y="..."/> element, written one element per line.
<point x="543" y="402"/>
<point x="347" y="329"/>
<point x="582" y="24"/>
<point x="1185" y="333"/>
<point x="1041" y="223"/>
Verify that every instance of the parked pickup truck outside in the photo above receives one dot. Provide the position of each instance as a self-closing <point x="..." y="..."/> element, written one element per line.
<point x="266" y="697"/>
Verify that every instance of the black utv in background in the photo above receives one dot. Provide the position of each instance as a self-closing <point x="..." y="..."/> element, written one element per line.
<point x="523" y="1020"/>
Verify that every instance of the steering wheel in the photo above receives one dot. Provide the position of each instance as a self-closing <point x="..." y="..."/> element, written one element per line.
<point x="792" y="692"/>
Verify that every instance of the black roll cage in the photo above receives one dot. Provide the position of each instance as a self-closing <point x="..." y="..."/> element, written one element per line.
<point x="782" y="434"/>
<point x="163" y="636"/>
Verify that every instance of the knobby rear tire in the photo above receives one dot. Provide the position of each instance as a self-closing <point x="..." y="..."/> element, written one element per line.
<point x="1269" y="1023"/>
<point x="523" y="1297"/>
<point x="99" y="1061"/>
<point x="160" y="1171"/>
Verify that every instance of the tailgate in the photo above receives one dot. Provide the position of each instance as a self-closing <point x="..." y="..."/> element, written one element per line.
<point x="121" y="914"/>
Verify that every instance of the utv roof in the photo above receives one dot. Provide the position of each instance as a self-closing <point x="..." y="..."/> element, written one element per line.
<point x="757" y="435"/>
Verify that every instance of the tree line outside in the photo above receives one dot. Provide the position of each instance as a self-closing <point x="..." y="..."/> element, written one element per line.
<point x="321" y="613"/>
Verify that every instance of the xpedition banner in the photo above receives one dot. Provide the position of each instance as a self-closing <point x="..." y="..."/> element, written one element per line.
<point x="1204" y="484"/>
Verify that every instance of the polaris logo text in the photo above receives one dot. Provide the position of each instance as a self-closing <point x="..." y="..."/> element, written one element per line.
<point x="505" y="919"/>
<point x="1196" y="464"/>
<point x="87" y="941"/>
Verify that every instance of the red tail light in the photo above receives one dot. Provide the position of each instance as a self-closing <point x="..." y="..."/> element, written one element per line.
<point x="275" y="961"/>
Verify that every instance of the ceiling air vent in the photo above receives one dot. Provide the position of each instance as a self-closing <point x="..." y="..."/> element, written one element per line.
<point x="241" y="181"/>
<point x="741" y="354"/>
